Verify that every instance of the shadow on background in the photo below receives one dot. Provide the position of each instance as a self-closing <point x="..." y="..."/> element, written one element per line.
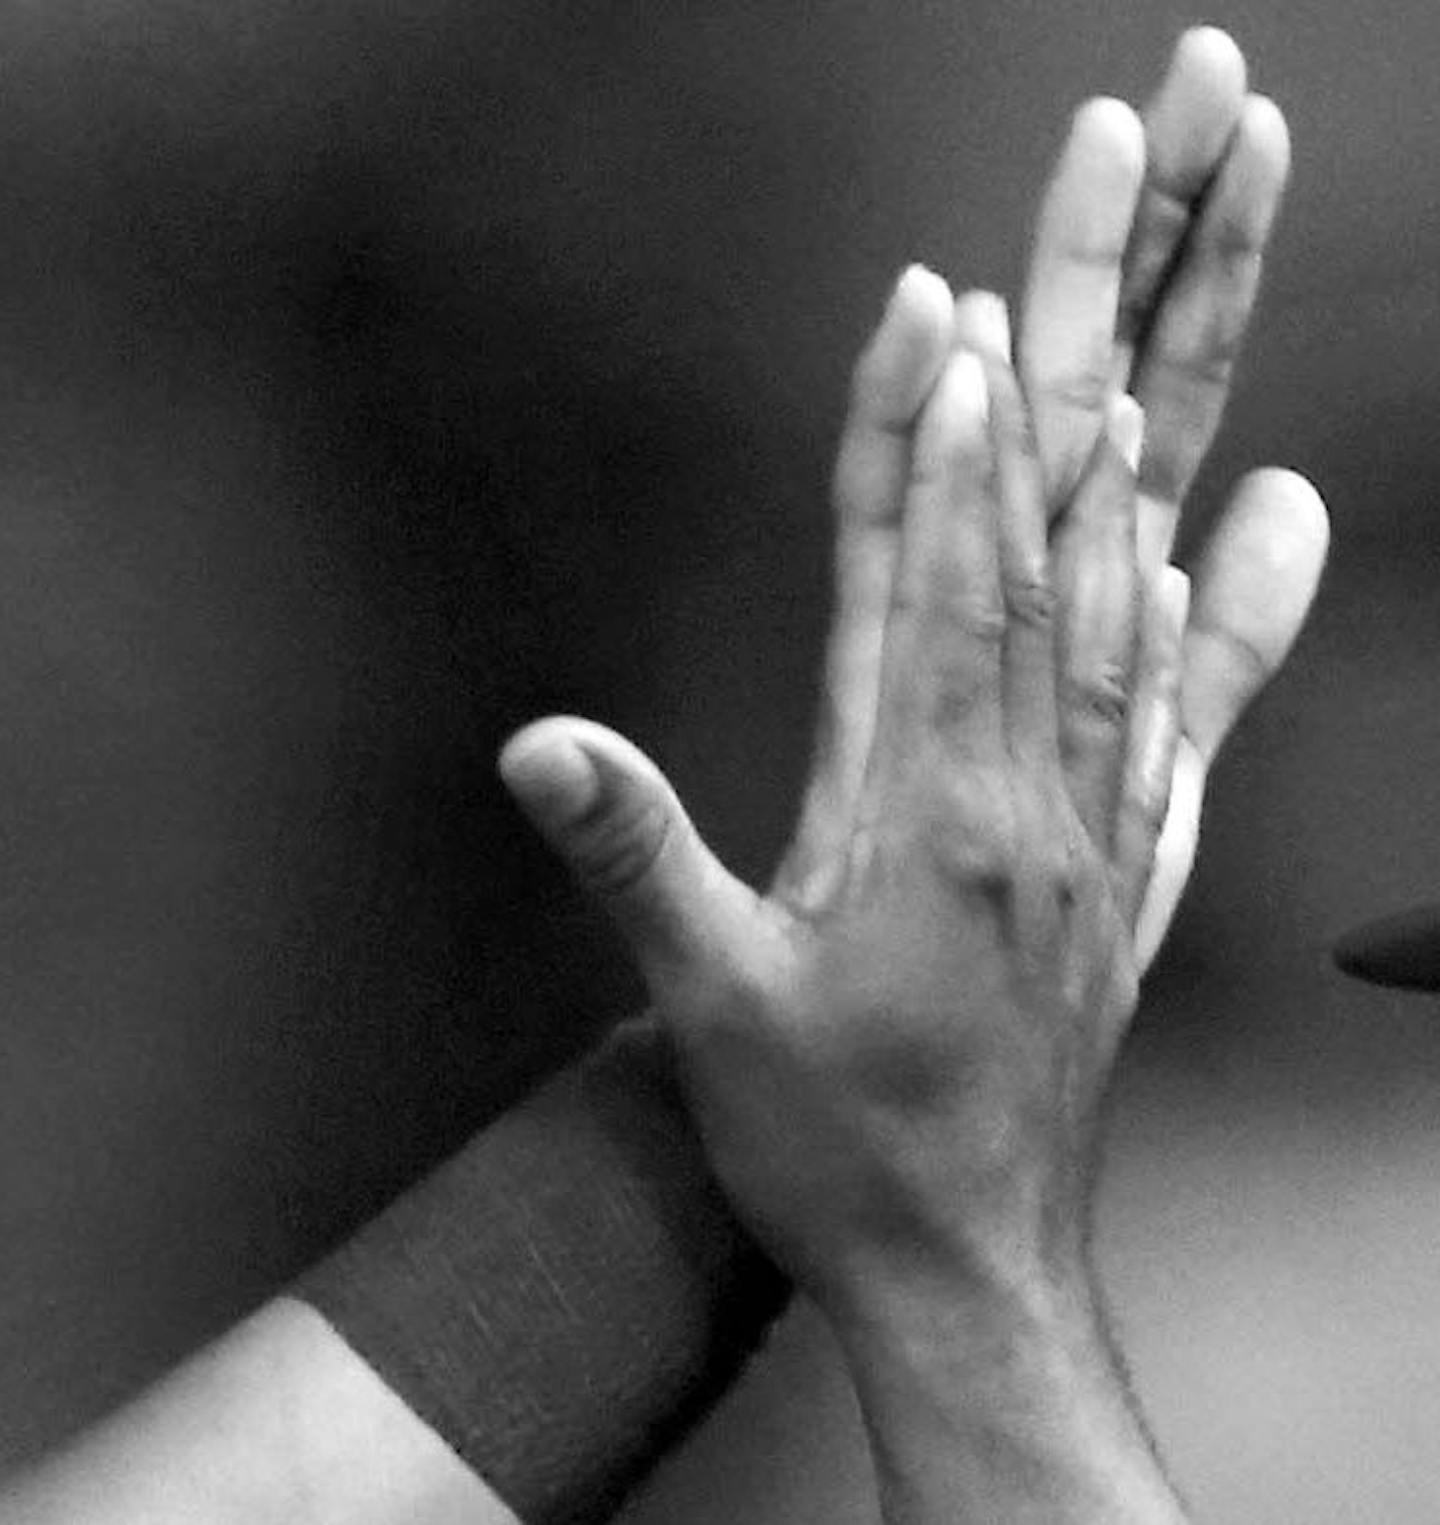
<point x="372" y="383"/>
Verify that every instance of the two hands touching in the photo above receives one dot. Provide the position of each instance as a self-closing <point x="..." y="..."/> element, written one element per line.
<point x="896" y="1057"/>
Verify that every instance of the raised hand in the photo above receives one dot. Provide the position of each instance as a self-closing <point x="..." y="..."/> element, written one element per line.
<point x="1147" y="260"/>
<point x="625" y="834"/>
<point x="896" y="1057"/>
<point x="949" y="947"/>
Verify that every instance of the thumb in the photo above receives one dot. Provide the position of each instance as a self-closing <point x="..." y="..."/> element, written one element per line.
<point x="610" y="813"/>
<point x="1253" y="590"/>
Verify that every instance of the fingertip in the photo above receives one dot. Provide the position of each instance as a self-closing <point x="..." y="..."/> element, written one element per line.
<point x="898" y="367"/>
<point x="1110" y="116"/>
<point x="1263" y="124"/>
<point x="1193" y="115"/>
<point x="549" y="773"/>
<point x="919" y="319"/>
<point x="1287" y="511"/>
<point x="982" y="323"/>
<point x="1105" y="154"/>
<point x="1284" y="484"/>
<point x="1110" y="127"/>
<point x="1209" y="54"/>
<point x="921" y="291"/>
<point x="954" y="418"/>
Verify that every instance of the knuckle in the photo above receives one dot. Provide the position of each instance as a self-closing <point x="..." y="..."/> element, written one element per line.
<point x="1100" y="696"/>
<point x="1084" y="386"/>
<point x="1059" y="872"/>
<point x="958" y="618"/>
<point x="1054" y="865"/>
<point x="1250" y="664"/>
<point x="1203" y="361"/>
<point x="616" y="849"/>
<point x="1031" y="601"/>
<point x="977" y="842"/>
<point x="963" y="686"/>
<point x="976" y="620"/>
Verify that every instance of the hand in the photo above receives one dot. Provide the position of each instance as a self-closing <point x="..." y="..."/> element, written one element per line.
<point x="1255" y="582"/>
<point x="1147" y="261"/>
<point x="895" y="1057"/>
<point x="613" y="815"/>
<point x="1145" y="270"/>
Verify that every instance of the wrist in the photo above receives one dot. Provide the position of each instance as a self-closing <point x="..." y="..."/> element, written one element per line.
<point x="965" y="1281"/>
<point x="1017" y="1325"/>
<point x="1003" y="1401"/>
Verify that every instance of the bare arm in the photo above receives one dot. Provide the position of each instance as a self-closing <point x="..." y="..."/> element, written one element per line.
<point x="280" y="1422"/>
<point x="1014" y="1413"/>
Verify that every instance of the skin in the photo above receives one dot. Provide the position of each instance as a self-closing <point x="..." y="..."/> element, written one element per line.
<point x="872" y="1099"/>
<point x="281" y="1420"/>
<point x="970" y="1318"/>
<point x="277" y="1423"/>
<point x="896" y="1060"/>
<point x="1144" y="276"/>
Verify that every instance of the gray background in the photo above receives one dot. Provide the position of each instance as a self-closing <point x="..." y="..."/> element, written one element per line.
<point x="373" y="378"/>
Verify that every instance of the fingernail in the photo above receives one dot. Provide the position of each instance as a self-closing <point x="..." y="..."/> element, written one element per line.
<point x="554" y="780"/>
<point x="982" y="320"/>
<point x="1125" y="423"/>
<point x="1196" y="42"/>
<point x="1175" y="597"/>
<point x="911" y="277"/>
<point x="916" y="287"/>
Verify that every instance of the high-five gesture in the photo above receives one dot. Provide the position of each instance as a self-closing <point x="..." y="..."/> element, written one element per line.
<point x="897" y="1053"/>
<point x="896" y="1058"/>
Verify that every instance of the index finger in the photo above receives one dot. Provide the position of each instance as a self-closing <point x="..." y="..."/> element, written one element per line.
<point x="895" y="375"/>
<point x="1028" y="664"/>
<point x="940" y="678"/>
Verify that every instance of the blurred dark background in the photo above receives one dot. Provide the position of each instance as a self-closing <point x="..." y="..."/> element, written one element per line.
<point x="374" y="378"/>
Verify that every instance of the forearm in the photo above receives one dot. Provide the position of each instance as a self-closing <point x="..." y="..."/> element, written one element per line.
<point x="565" y="1296"/>
<point x="277" y="1423"/>
<point x="528" y="1328"/>
<point x="1003" y="1405"/>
